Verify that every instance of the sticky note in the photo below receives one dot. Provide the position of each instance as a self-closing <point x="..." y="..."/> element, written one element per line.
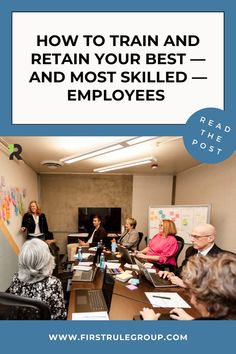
<point x="131" y="287"/>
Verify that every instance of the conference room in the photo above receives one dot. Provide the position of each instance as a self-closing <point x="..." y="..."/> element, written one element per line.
<point x="132" y="174"/>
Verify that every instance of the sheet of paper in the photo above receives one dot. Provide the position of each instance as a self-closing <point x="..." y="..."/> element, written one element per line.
<point x="86" y="264"/>
<point x="166" y="299"/>
<point x="85" y="255"/>
<point x="90" y="316"/>
<point x="80" y="267"/>
<point x="148" y="265"/>
<point x="93" y="249"/>
<point x="131" y="266"/>
<point x="112" y="265"/>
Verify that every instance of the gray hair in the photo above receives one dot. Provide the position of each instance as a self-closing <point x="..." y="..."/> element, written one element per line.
<point x="35" y="261"/>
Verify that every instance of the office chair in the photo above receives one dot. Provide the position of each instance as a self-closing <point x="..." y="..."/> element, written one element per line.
<point x="140" y="237"/>
<point x="15" y="307"/>
<point x="180" y="242"/>
<point x="171" y="267"/>
<point x="62" y="271"/>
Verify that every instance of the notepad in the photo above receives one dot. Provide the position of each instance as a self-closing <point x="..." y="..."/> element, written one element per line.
<point x="174" y="300"/>
<point x="123" y="277"/>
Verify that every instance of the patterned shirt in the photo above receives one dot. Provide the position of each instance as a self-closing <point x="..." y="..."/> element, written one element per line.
<point x="48" y="290"/>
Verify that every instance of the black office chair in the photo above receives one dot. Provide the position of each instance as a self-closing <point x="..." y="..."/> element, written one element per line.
<point x="15" y="307"/>
<point x="180" y="242"/>
<point x="171" y="267"/>
<point x="140" y="237"/>
<point x="62" y="271"/>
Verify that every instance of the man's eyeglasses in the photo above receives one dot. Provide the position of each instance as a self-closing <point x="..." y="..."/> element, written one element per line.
<point x="197" y="237"/>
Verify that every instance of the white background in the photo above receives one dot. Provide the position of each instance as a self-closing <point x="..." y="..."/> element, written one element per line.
<point x="47" y="103"/>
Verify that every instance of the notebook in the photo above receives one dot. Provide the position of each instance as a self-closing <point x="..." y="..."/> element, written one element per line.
<point x="154" y="278"/>
<point x="89" y="300"/>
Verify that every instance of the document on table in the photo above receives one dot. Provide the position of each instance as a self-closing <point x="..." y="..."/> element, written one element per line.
<point x="82" y="267"/>
<point x="111" y="265"/>
<point x="93" y="249"/>
<point x="90" y="316"/>
<point x="164" y="299"/>
<point x="131" y="266"/>
<point x="85" y="263"/>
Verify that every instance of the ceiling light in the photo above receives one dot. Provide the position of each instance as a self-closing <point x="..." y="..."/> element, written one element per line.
<point x="93" y="154"/>
<point x="120" y="166"/>
<point x="111" y="148"/>
<point x="140" y="139"/>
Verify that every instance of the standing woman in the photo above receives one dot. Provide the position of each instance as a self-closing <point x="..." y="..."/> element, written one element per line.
<point x="163" y="246"/>
<point x="34" y="222"/>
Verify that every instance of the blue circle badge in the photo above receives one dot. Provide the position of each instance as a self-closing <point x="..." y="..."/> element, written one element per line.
<point x="208" y="135"/>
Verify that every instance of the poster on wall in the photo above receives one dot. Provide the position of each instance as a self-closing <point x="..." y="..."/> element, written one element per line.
<point x="103" y="77"/>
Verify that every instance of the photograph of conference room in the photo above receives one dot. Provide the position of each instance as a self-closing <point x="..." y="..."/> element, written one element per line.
<point x="48" y="179"/>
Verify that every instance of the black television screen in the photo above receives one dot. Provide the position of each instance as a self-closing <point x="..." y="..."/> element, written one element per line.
<point x="111" y="219"/>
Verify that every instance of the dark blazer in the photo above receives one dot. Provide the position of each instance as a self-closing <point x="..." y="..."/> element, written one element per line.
<point x="100" y="234"/>
<point x="29" y="223"/>
<point x="192" y="251"/>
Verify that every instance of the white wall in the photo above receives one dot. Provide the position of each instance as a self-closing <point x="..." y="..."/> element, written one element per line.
<point x="149" y="191"/>
<point x="215" y="185"/>
<point x="19" y="179"/>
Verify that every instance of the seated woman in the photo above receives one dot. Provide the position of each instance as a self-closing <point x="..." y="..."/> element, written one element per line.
<point x="34" y="278"/>
<point x="211" y="282"/>
<point x="163" y="246"/>
<point x="129" y="238"/>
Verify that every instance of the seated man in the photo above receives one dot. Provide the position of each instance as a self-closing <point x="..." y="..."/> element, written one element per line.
<point x="203" y="243"/>
<point x="98" y="234"/>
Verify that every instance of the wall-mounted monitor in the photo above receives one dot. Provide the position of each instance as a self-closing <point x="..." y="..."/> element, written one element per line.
<point x="111" y="219"/>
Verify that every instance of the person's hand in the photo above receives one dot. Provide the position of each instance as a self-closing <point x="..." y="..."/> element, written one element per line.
<point x="149" y="314"/>
<point x="82" y="243"/>
<point x="177" y="281"/>
<point x="165" y="274"/>
<point x="180" y="314"/>
<point x="23" y="229"/>
<point x="141" y="255"/>
<point x="50" y="241"/>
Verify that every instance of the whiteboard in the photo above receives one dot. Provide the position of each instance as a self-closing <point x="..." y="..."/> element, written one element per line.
<point x="185" y="217"/>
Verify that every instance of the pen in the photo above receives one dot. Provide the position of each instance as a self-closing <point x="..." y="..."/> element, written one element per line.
<point x="162" y="297"/>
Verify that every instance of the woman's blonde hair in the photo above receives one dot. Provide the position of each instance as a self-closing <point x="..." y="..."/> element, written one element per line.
<point x="132" y="222"/>
<point x="212" y="281"/>
<point x="169" y="227"/>
<point x="38" y="211"/>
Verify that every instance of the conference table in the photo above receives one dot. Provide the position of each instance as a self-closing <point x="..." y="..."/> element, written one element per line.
<point x="127" y="303"/>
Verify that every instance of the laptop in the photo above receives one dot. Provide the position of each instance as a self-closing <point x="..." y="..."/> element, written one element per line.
<point x="85" y="275"/>
<point x="154" y="278"/>
<point x="89" y="300"/>
<point x="88" y="275"/>
<point x="125" y="255"/>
